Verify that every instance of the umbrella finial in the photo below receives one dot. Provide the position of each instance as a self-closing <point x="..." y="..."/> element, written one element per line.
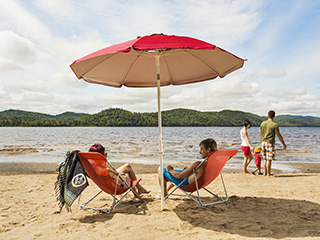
<point x="157" y="34"/>
<point x="154" y="34"/>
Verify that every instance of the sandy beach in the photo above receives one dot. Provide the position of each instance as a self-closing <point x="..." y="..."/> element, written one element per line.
<point x="284" y="207"/>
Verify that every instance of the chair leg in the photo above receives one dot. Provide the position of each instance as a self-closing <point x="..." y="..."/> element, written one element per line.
<point x="131" y="188"/>
<point x="89" y="200"/>
<point x="222" y="200"/>
<point x="115" y="201"/>
<point x="197" y="199"/>
<point x="176" y="187"/>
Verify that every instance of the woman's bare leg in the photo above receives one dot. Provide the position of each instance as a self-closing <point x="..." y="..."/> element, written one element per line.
<point x="245" y="164"/>
<point x="127" y="169"/>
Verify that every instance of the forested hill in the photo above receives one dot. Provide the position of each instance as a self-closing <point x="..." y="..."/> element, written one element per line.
<point x="120" y="117"/>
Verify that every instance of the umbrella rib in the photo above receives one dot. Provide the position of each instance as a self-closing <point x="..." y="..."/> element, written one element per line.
<point x="125" y="78"/>
<point x="166" y="63"/>
<point x="195" y="80"/>
<point x="97" y="65"/>
<point x="201" y="61"/>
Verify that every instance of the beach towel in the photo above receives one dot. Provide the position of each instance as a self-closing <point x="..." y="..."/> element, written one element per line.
<point x="71" y="180"/>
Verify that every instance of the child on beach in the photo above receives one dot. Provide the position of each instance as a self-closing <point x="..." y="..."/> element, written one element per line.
<point x="257" y="160"/>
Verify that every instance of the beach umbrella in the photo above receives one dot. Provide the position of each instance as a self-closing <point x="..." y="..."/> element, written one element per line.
<point x="154" y="61"/>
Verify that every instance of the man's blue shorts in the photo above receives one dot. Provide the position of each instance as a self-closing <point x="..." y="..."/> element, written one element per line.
<point x="175" y="180"/>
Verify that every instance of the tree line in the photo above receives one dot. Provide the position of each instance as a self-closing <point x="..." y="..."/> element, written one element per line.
<point x="118" y="117"/>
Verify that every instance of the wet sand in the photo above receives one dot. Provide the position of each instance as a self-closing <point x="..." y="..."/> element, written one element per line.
<point x="33" y="168"/>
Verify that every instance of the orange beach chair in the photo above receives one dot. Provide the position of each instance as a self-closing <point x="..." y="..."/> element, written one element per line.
<point x="215" y="163"/>
<point x="94" y="164"/>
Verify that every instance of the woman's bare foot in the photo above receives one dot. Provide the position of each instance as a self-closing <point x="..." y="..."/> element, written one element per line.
<point x="143" y="191"/>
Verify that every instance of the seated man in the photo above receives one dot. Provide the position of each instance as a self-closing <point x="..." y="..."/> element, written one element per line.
<point x="125" y="171"/>
<point x="207" y="147"/>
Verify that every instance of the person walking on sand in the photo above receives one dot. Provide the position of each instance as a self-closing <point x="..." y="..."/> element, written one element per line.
<point x="246" y="145"/>
<point x="268" y="130"/>
<point x="257" y="160"/>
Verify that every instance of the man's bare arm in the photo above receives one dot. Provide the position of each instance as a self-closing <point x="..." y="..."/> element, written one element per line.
<point x="281" y="140"/>
<point x="185" y="173"/>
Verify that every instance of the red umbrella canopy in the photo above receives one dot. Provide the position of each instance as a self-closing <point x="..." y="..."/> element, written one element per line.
<point x="133" y="63"/>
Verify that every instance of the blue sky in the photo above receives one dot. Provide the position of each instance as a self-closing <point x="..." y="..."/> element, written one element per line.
<point x="39" y="39"/>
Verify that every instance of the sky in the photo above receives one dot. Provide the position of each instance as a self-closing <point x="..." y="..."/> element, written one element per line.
<point x="39" y="39"/>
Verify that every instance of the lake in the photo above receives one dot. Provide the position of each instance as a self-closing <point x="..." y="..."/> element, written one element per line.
<point x="140" y="144"/>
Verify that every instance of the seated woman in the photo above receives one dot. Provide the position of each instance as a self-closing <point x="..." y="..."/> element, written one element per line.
<point x="176" y="176"/>
<point x="125" y="171"/>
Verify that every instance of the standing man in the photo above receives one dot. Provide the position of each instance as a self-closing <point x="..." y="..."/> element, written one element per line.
<point x="268" y="130"/>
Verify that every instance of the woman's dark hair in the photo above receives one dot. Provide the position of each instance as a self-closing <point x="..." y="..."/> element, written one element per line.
<point x="97" y="148"/>
<point x="209" y="143"/>
<point x="246" y="123"/>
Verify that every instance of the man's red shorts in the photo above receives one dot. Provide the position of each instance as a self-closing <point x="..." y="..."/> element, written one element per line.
<point x="246" y="150"/>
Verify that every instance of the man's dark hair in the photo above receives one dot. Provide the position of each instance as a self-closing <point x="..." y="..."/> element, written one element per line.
<point x="209" y="143"/>
<point x="271" y="114"/>
<point x="246" y="123"/>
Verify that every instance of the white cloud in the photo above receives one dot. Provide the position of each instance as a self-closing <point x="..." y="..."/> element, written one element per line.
<point x="23" y="21"/>
<point x="60" y="10"/>
<point x="298" y="91"/>
<point x="28" y="83"/>
<point x="17" y="52"/>
<point x="226" y="23"/>
<point x="128" y="96"/>
<point x="276" y="93"/>
<point x="76" y="46"/>
<point x="7" y="65"/>
<point x="233" y="87"/>
<point x="62" y="76"/>
<point x="269" y="73"/>
<point x="296" y="107"/>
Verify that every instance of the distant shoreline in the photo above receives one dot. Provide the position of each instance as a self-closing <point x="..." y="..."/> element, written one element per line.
<point x="115" y="117"/>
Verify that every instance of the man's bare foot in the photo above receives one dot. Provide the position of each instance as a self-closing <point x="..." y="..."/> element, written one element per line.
<point x="270" y="175"/>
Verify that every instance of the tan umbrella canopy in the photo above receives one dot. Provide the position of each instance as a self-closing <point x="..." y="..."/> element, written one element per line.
<point x="155" y="61"/>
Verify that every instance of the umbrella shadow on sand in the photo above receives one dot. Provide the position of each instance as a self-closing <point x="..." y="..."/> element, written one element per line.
<point x="130" y="207"/>
<point x="255" y="217"/>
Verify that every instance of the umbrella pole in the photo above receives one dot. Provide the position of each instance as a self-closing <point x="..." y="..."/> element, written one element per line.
<point x="160" y="132"/>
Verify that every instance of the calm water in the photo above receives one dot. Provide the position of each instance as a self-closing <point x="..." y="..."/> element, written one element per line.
<point x="140" y="144"/>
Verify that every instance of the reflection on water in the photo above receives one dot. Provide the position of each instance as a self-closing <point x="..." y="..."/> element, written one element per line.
<point x="140" y="144"/>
